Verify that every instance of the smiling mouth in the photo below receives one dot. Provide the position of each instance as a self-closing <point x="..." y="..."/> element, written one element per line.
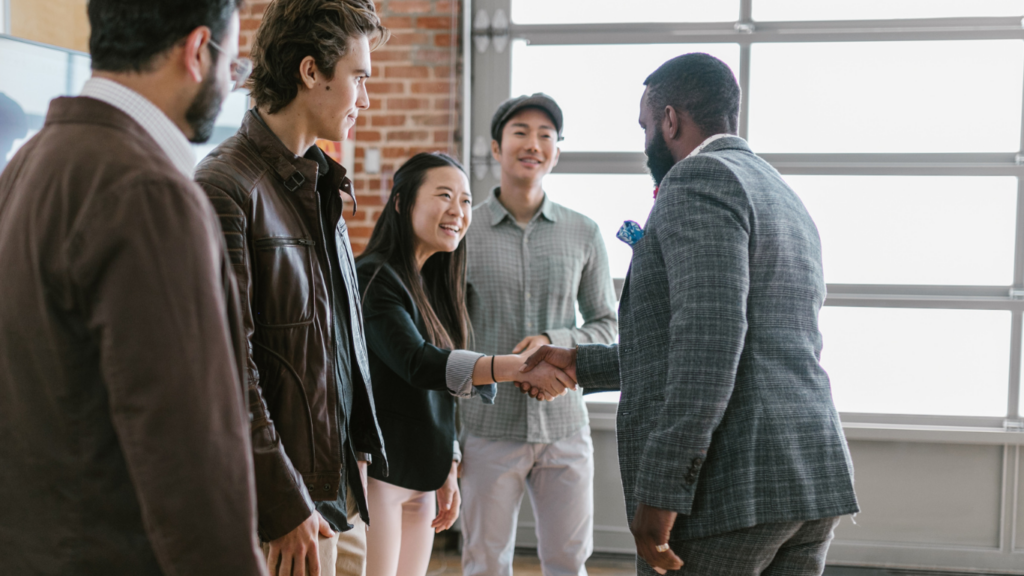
<point x="530" y="161"/>
<point x="449" y="228"/>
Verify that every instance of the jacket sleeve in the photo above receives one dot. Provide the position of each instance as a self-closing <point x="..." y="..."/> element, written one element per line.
<point x="703" y="227"/>
<point x="148" y="265"/>
<point x="283" y="502"/>
<point x="391" y="332"/>
<point x="596" y="298"/>
<point x="597" y="367"/>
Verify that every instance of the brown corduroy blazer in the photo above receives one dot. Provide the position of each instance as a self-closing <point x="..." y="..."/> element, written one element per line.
<point x="124" y="437"/>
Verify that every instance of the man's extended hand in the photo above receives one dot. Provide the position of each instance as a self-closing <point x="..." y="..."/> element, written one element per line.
<point x="299" y="548"/>
<point x="545" y="358"/>
<point x="545" y="382"/>
<point x="563" y="358"/>
<point x="651" y="528"/>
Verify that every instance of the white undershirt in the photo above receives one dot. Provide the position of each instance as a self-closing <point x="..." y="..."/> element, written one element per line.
<point x="705" y="143"/>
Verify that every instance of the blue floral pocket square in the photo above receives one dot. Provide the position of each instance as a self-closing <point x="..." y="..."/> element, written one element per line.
<point x="630" y="233"/>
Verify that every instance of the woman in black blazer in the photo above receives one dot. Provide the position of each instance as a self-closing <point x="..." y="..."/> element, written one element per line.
<point x="413" y="277"/>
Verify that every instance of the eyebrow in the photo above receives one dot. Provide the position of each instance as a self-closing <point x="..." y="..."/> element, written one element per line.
<point x="542" y="126"/>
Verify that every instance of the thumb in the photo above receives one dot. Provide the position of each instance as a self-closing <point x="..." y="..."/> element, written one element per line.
<point x="535" y="359"/>
<point x="325" y="528"/>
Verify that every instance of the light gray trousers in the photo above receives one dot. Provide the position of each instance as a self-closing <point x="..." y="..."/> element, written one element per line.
<point x="560" y="480"/>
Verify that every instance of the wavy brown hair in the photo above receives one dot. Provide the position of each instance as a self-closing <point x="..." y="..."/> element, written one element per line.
<point x="439" y="289"/>
<point x="293" y="29"/>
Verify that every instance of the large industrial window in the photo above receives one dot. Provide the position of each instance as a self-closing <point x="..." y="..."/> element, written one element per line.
<point x="897" y="122"/>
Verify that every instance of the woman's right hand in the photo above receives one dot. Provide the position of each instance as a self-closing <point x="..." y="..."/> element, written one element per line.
<point x="448" y="501"/>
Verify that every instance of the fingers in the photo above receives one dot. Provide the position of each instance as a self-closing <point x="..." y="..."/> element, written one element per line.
<point x="273" y="559"/>
<point x="286" y="564"/>
<point x="522" y="345"/>
<point x="325" y="528"/>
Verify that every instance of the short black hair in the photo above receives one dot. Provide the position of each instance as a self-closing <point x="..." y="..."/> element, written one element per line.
<point x="128" y="34"/>
<point x="700" y="85"/>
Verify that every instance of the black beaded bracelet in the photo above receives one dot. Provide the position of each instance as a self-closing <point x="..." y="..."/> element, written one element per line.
<point x="493" y="379"/>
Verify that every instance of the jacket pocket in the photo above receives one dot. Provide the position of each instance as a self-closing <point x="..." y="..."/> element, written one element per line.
<point x="284" y="288"/>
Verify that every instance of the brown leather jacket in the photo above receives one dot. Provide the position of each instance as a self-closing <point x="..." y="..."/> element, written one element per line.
<point x="124" y="438"/>
<point x="269" y="210"/>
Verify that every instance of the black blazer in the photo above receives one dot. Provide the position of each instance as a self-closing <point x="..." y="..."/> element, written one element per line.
<point x="415" y="411"/>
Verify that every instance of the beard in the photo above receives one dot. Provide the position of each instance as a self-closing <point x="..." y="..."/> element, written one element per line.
<point x="205" y="107"/>
<point x="659" y="158"/>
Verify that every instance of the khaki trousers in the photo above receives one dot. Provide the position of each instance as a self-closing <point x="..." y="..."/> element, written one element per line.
<point x="352" y="544"/>
<point x="328" y="555"/>
<point x="345" y="553"/>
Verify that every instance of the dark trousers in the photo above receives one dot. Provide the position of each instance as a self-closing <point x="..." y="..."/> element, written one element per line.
<point x="782" y="549"/>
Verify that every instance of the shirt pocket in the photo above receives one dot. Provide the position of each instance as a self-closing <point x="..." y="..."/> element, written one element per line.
<point x="283" y="288"/>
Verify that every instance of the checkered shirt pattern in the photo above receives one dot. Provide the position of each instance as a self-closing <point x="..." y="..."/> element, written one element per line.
<point x="524" y="281"/>
<point x="166" y="133"/>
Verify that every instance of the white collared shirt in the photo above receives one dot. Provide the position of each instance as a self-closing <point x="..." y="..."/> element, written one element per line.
<point x="153" y="120"/>
<point x="705" y="143"/>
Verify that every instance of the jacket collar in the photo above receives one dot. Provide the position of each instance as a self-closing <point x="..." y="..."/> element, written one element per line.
<point x="291" y="169"/>
<point x="499" y="213"/>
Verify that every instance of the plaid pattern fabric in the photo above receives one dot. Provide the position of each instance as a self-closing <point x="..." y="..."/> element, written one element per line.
<point x="726" y="416"/>
<point x="529" y="281"/>
<point x="167" y="135"/>
<point x="782" y="549"/>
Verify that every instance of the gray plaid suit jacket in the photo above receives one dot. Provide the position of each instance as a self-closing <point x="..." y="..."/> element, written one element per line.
<point x="726" y="415"/>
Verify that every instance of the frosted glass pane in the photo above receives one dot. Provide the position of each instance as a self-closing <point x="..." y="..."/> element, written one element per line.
<point x="608" y="199"/>
<point x="610" y="11"/>
<point x="883" y="9"/>
<point x="886" y="96"/>
<point x="913" y="229"/>
<point x="599" y="87"/>
<point x="900" y="361"/>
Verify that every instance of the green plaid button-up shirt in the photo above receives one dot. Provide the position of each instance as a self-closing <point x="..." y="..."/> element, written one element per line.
<point x="524" y="281"/>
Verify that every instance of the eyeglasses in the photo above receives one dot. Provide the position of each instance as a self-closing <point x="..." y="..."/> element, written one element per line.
<point x="240" y="68"/>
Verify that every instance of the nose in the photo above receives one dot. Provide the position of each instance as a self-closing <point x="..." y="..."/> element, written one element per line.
<point x="362" y="99"/>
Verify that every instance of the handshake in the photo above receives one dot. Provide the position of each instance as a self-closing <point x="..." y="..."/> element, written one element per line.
<point x="548" y="373"/>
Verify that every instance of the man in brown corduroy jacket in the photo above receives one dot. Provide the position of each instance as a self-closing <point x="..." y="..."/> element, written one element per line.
<point x="124" y="437"/>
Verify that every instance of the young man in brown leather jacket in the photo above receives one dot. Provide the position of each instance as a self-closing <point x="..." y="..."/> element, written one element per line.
<point x="280" y="202"/>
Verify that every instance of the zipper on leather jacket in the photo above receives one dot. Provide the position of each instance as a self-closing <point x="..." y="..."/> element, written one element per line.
<point x="263" y="243"/>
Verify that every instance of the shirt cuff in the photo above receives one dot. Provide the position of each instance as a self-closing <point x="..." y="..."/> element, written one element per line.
<point x="459" y="372"/>
<point x="561" y="337"/>
<point x="456" y="452"/>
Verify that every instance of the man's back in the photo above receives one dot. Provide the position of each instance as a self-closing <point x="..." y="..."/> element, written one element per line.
<point x="720" y="338"/>
<point x="123" y="438"/>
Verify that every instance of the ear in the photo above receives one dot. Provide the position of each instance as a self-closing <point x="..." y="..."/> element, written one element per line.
<point x="554" y="159"/>
<point x="671" y="124"/>
<point x="398" y="204"/>
<point x="496" y="150"/>
<point x="196" y="52"/>
<point x="309" y="74"/>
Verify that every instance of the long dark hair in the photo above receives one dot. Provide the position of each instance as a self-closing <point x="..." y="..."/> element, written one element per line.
<point x="439" y="289"/>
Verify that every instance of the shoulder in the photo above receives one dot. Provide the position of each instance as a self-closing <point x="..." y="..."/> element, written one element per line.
<point x="233" y="168"/>
<point x="574" y="224"/>
<point x="373" y="269"/>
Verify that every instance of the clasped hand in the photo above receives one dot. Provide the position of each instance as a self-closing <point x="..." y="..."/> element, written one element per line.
<point x="548" y="373"/>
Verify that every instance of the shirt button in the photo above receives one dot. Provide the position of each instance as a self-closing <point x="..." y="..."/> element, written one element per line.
<point x="527" y="295"/>
<point x="529" y="324"/>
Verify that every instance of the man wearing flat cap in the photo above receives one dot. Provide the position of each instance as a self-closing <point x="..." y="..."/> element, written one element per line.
<point x="531" y="263"/>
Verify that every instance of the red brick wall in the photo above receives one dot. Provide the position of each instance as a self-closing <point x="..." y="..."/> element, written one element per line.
<point x="415" y="102"/>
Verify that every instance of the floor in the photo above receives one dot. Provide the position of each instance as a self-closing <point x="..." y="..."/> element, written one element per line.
<point x="448" y="563"/>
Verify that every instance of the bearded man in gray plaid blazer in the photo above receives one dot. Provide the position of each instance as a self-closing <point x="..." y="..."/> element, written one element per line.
<point x="732" y="456"/>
